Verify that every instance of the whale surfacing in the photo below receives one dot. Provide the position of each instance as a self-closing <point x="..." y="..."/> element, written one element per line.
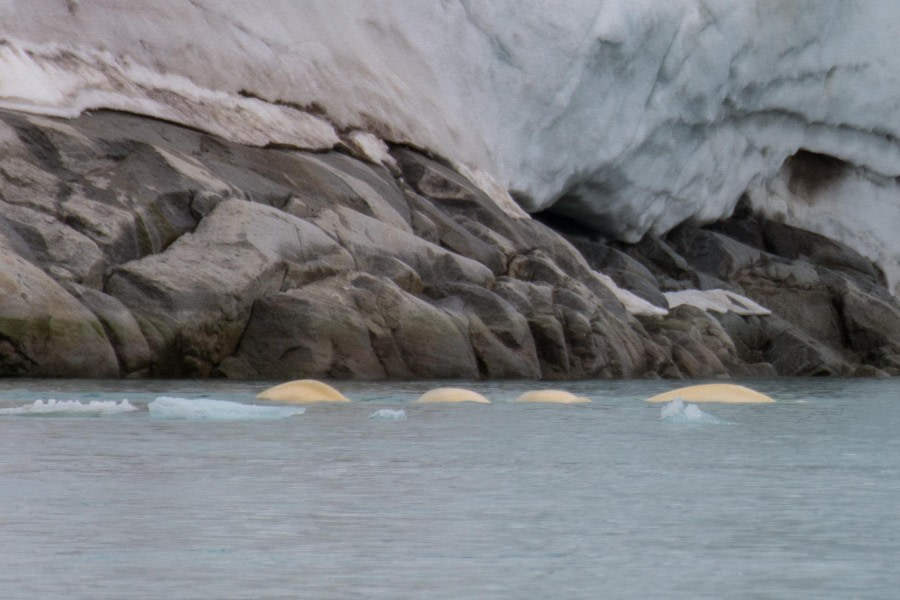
<point x="552" y="397"/>
<point x="724" y="393"/>
<point x="303" y="391"/>
<point x="451" y="394"/>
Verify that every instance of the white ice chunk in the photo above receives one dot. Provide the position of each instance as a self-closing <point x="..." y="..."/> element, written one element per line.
<point x="677" y="411"/>
<point x="203" y="409"/>
<point x="71" y="407"/>
<point x="387" y="414"/>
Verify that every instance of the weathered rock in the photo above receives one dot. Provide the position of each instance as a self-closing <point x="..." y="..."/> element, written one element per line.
<point x="749" y="334"/>
<point x="453" y="193"/>
<point x="535" y="302"/>
<point x="672" y="271"/>
<point x="115" y="230"/>
<point x="505" y="248"/>
<point x="65" y="253"/>
<point x="788" y="349"/>
<point x="699" y="346"/>
<point x="872" y="325"/>
<point x="194" y="299"/>
<point x="870" y="371"/>
<point x="627" y="272"/>
<point x="333" y="179"/>
<point x="796" y="293"/>
<point x="182" y="254"/>
<point x="499" y="334"/>
<point x="742" y="227"/>
<point x="121" y="328"/>
<point x="45" y="332"/>
<point x="314" y="331"/>
<point x="792" y="353"/>
<point x="599" y="345"/>
<point x="411" y="337"/>
<point x="712" y="253"/>
<point x="794" y="243"/>
<point x="369" y="240"/>
<point x="537" y="267"/>
<point x="804" y="285"/>
<point x="458" y="239"/>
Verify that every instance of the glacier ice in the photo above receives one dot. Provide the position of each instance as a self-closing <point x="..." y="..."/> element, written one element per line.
<point x="632" y="115"/>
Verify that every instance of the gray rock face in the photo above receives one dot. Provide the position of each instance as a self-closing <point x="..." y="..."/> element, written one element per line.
<point x="132" y="247"/>
<point x="832" y="313"/>
<point x="193" y="301"/>
<point x="699" y="346"/>
<point x="624" y="270"/>
<point x="498" y="333"/>
<point x="871" y="324"/>
<point x="44" y="331"/>
<point x="316" y="330"/>
<point x="120" y="327"/>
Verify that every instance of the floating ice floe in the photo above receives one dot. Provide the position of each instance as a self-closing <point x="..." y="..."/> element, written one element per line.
<point x="203" y="409"/>
<point x="677" y="411"/>
<point x="387" y="414"/>
<point x="70" y="407"/>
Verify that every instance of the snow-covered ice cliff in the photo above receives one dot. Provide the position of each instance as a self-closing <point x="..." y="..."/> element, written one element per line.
<point x="633" y="115"/>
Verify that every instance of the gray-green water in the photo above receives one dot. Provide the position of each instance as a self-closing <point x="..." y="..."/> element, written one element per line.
<point x="793" y="500"/>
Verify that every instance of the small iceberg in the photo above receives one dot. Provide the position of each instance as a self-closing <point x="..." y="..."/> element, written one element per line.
<point x="677" y="411"/>
<point x="387" y="414"/>
<point x="203" y="409"/>
<point x="49" y="407"/>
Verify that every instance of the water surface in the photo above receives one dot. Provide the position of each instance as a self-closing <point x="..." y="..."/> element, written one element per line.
<point x="608" y="500"/>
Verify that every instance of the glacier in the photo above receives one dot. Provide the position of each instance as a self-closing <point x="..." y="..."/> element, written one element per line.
<point x="632" y="116"/>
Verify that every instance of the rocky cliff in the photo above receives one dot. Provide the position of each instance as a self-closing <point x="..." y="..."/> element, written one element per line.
<point x="136" y="247"/>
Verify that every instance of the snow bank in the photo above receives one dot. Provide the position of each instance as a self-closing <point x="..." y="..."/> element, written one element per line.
<point x="387" y="414"/>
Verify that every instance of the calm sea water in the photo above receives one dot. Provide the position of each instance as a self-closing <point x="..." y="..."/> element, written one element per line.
<point x="800" y="499"/>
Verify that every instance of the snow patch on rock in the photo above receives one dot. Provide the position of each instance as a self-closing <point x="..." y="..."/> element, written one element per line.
<point x="720" y="301"/>
<point x="633" y="303"/>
